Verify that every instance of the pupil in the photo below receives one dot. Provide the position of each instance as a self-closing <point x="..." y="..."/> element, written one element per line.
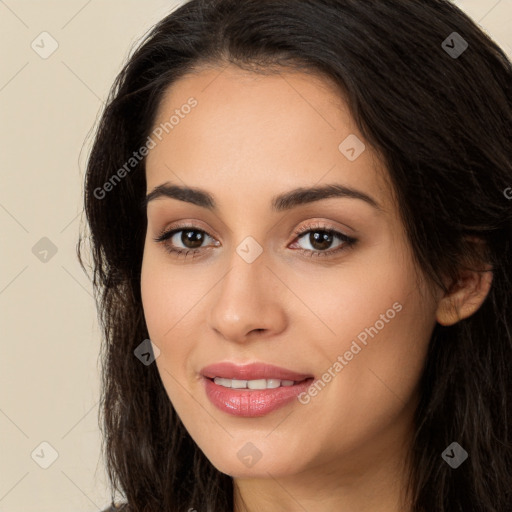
<point x="320" y="240"/>
<point x="192" y="237"/>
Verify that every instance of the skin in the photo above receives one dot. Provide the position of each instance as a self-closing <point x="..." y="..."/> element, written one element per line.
<point x="249" y="138"/>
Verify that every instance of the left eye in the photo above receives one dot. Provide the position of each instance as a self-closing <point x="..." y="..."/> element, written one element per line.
<point x="321" y="239"/>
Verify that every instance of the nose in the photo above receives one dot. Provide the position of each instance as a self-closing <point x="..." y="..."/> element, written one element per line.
<point x="248" y="302"/>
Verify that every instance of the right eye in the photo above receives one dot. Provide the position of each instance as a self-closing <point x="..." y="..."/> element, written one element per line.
<point x="190" y="237"/>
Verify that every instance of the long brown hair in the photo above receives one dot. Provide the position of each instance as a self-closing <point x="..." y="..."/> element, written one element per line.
<point x="443" y="123"/>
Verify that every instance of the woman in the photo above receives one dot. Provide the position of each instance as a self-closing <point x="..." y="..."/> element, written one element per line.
<point x="301" y="239"/>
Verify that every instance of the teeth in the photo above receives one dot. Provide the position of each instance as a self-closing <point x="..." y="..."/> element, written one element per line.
<point x="252" y="384"/>
<point x="257" y="384"/>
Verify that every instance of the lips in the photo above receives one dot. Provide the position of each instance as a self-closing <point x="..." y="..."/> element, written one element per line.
<point x="253" y="371"/>
<point x="224" y="385"/>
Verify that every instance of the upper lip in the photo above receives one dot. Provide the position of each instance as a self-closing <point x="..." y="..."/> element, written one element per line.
<point x="253" y="371"/>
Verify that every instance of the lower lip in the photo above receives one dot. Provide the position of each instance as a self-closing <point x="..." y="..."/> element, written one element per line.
<point x="250" y="403"/>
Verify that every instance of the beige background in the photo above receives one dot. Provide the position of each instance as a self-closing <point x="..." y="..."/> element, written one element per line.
<point x="49" y="380"/>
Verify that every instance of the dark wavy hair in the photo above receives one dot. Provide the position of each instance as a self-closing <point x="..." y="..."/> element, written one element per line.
<point x="443" y="126"/>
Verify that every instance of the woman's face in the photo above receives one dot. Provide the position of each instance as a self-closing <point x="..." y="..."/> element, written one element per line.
<point x="353" y="317"/>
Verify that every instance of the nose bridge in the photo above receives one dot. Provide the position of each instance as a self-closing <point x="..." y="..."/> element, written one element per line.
<point x="246" y="299"/>
<point x="241" y="287"/>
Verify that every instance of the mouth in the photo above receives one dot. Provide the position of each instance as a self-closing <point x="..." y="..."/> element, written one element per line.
<point x="255" y="383"/>
<point x="252" y="390"/>
<point x="252" y="372"/>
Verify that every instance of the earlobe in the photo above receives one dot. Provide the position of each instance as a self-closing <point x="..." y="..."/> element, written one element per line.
<point x="464" y="297"/>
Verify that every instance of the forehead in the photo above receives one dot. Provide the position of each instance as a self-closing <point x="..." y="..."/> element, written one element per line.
<point x="272" y="131"/>
<point x="275" y="100"/>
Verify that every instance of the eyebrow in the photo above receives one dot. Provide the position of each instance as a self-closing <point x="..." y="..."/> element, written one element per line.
<point x="282" y="202"/>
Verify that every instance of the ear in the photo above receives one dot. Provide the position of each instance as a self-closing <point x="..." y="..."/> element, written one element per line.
<point x="465" y="296"/>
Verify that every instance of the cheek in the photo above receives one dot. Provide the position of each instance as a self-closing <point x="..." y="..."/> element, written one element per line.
<point x="155" y="301"/>
<point x="376" y="315"/>
<point x="163" y="310"/>
<point x="166" y="318"/>
<point x="174" y="311"/>
<point x="393" y="322"/>
<point x="168" y="295"/>
<point x="344" y="302"/>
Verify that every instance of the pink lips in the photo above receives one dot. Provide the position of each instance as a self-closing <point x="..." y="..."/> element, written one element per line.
<point x="247" y="402"/>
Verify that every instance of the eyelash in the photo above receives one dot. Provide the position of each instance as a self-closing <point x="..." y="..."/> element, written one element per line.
<point x="164" y="236"/>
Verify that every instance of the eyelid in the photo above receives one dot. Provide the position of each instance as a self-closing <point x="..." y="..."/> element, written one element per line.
<point x="192" y="224"/>
<point x="320" y="225"/>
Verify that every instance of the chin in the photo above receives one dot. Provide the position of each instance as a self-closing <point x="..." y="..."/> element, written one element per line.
<point x="254" y="460"/>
